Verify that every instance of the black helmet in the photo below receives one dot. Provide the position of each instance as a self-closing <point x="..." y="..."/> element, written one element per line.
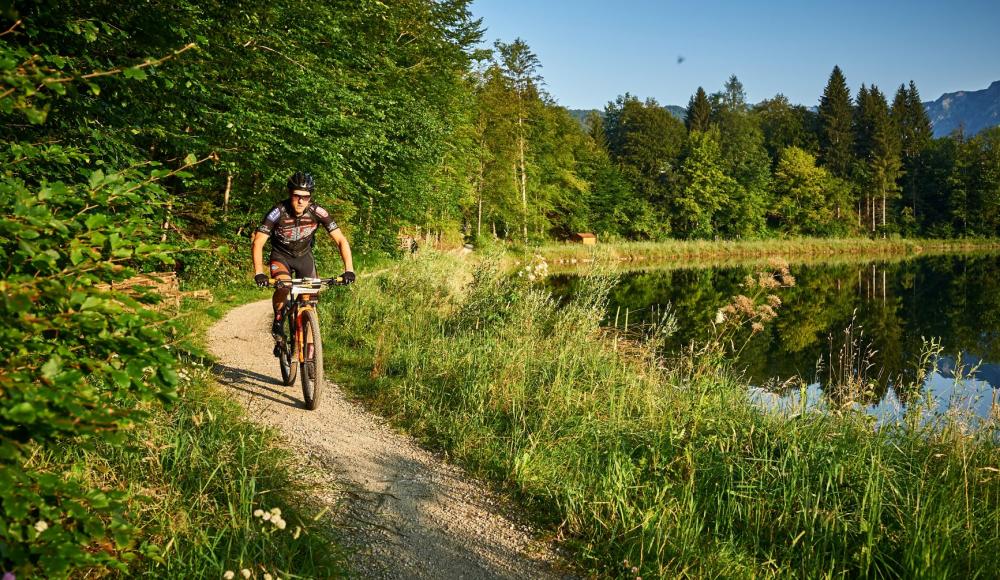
<point x="302" y="181"/>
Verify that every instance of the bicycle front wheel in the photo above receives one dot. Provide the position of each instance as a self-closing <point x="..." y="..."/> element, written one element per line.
<point x="312" y="366"/>
<point x="287" y="358"/>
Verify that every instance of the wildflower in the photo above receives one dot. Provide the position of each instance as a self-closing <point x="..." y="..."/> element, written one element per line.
<point x="768" y="281"/>
<point x="773" y="300"/>
<point x="720" y="316"/>
<point x="743" y="304"/>
<point x="275" y="511"/>
<point x="41" y="526"/>
<point x="756" y="327"/>
<point x="267" y="576"/>
<point x="297" y="533"/>
<point x="766" y="312"/>
<point x="279" y="523"/>
<point x="245" y="573"/>
<point x="266" y="517"/>
<point x="9" y="576"/>
<point x="228" y="575"/>
<point x="531" y="277"/>
<point x="258" y="513"/>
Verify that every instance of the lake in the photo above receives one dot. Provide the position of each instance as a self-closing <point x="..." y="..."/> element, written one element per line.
<point x="889" y="307"/>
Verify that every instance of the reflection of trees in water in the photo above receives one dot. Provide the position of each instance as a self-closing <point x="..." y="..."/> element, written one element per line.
<point x="897" y="305"/>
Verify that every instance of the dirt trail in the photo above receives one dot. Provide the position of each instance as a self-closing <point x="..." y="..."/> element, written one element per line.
<point x="407" y="513"/>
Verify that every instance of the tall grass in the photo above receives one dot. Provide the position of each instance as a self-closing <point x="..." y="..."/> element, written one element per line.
<point x="651" y="467"/>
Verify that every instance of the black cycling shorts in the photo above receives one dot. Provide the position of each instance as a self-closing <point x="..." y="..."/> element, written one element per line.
<point x="300" y="267"/>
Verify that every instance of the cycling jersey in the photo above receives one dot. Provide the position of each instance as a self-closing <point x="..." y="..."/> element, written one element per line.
<point x="291" y="234"/>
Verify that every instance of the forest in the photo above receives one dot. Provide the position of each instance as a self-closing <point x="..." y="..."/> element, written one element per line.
<point x="408" y="122"/>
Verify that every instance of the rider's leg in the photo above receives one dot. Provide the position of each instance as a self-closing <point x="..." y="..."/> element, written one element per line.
<point x="279" y="271"/>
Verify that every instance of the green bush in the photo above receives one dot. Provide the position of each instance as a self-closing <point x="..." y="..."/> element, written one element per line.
<point x="81" y="362"/>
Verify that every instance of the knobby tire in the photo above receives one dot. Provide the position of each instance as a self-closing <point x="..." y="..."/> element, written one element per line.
<point x="289" y="360"/>
<point x="312" y="369"/>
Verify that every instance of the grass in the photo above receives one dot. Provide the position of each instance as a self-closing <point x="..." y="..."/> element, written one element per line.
<point x="195" y="473"/>
<point x="728" y="251"/>
<point x="651" y="467"/>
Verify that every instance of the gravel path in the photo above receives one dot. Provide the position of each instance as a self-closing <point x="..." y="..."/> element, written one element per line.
<point x="406" y="513"/>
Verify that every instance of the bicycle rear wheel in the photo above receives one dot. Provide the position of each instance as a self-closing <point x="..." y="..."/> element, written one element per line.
<point x="312" y="367"/>
<point x="288" y="360"/>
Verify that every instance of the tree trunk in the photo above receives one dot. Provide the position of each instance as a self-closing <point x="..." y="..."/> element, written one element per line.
<point x="166" y="222"/>
<point x="874" y="215"/>
<point x="521" y="165"/>
<point x="479" y="195"/>
<point x="882" y="187"/>
<point x="225" y="195"/>
<point x="524" y="185"/>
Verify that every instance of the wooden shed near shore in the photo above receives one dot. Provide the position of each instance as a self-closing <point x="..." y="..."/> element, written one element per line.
<point x="585" y="238"/>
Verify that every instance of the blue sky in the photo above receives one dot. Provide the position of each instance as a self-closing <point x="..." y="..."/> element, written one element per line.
<point x="591" y="51"/>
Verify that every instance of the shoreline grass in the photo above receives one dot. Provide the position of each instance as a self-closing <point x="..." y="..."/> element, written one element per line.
<point x="653" y="469"/>
<point x="794" y="250"/>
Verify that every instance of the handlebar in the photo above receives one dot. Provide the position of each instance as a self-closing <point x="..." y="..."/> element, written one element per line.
<point x="310" y="283"/>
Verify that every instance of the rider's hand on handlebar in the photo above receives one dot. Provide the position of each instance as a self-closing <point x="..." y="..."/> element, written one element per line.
<point x="348" y="277"/>
<point x="261" y="280"/>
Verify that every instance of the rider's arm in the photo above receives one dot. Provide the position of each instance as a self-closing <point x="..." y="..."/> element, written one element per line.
<point x="257" y="250"/>
<point x="344" y="246"/>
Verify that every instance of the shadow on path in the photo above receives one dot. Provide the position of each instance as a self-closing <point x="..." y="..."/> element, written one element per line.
<point x="256" y="385"/>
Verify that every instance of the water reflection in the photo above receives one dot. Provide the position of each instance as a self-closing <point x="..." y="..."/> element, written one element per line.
<point x="891" y="310"/>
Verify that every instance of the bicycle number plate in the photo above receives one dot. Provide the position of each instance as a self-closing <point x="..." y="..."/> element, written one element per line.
<point x="306" y="291"/>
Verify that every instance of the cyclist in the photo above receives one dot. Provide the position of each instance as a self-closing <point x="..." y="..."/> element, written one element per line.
<point x="291" y="226"/>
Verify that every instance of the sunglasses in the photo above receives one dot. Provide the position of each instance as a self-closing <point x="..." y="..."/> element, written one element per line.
<point x="301" y="197"/>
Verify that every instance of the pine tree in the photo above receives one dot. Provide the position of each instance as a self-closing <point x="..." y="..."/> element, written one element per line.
<point x="914" y="127"/>
<point x="878" y="153"/>
<point x="733" y="97"/>
<point x="520" y="65"/>
<point x="836" y="136"/>
<point x="699" y="111"/>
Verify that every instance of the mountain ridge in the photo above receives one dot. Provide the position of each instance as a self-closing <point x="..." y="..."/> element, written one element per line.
<point x="972" y="111"/>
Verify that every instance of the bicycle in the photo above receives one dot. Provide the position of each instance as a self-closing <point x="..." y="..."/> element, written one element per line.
<point x="300" y="330"/>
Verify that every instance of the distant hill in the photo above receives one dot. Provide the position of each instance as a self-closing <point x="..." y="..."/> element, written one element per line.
<point x="973" y="110"/>
<point x="581" y="114"/>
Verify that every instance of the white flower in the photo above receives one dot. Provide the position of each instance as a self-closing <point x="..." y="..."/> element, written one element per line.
<point x="279" y="523"/>
<point x="228" y="575"/>
<point x="267" y="576"/>
<point x="245" y="573"/>
<point x="720" y="316"/>
<point x="41" y="526"/>
<point x="258" y="513"/>
<point x="275" y="511"/>
<point x="266" y="516"/>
